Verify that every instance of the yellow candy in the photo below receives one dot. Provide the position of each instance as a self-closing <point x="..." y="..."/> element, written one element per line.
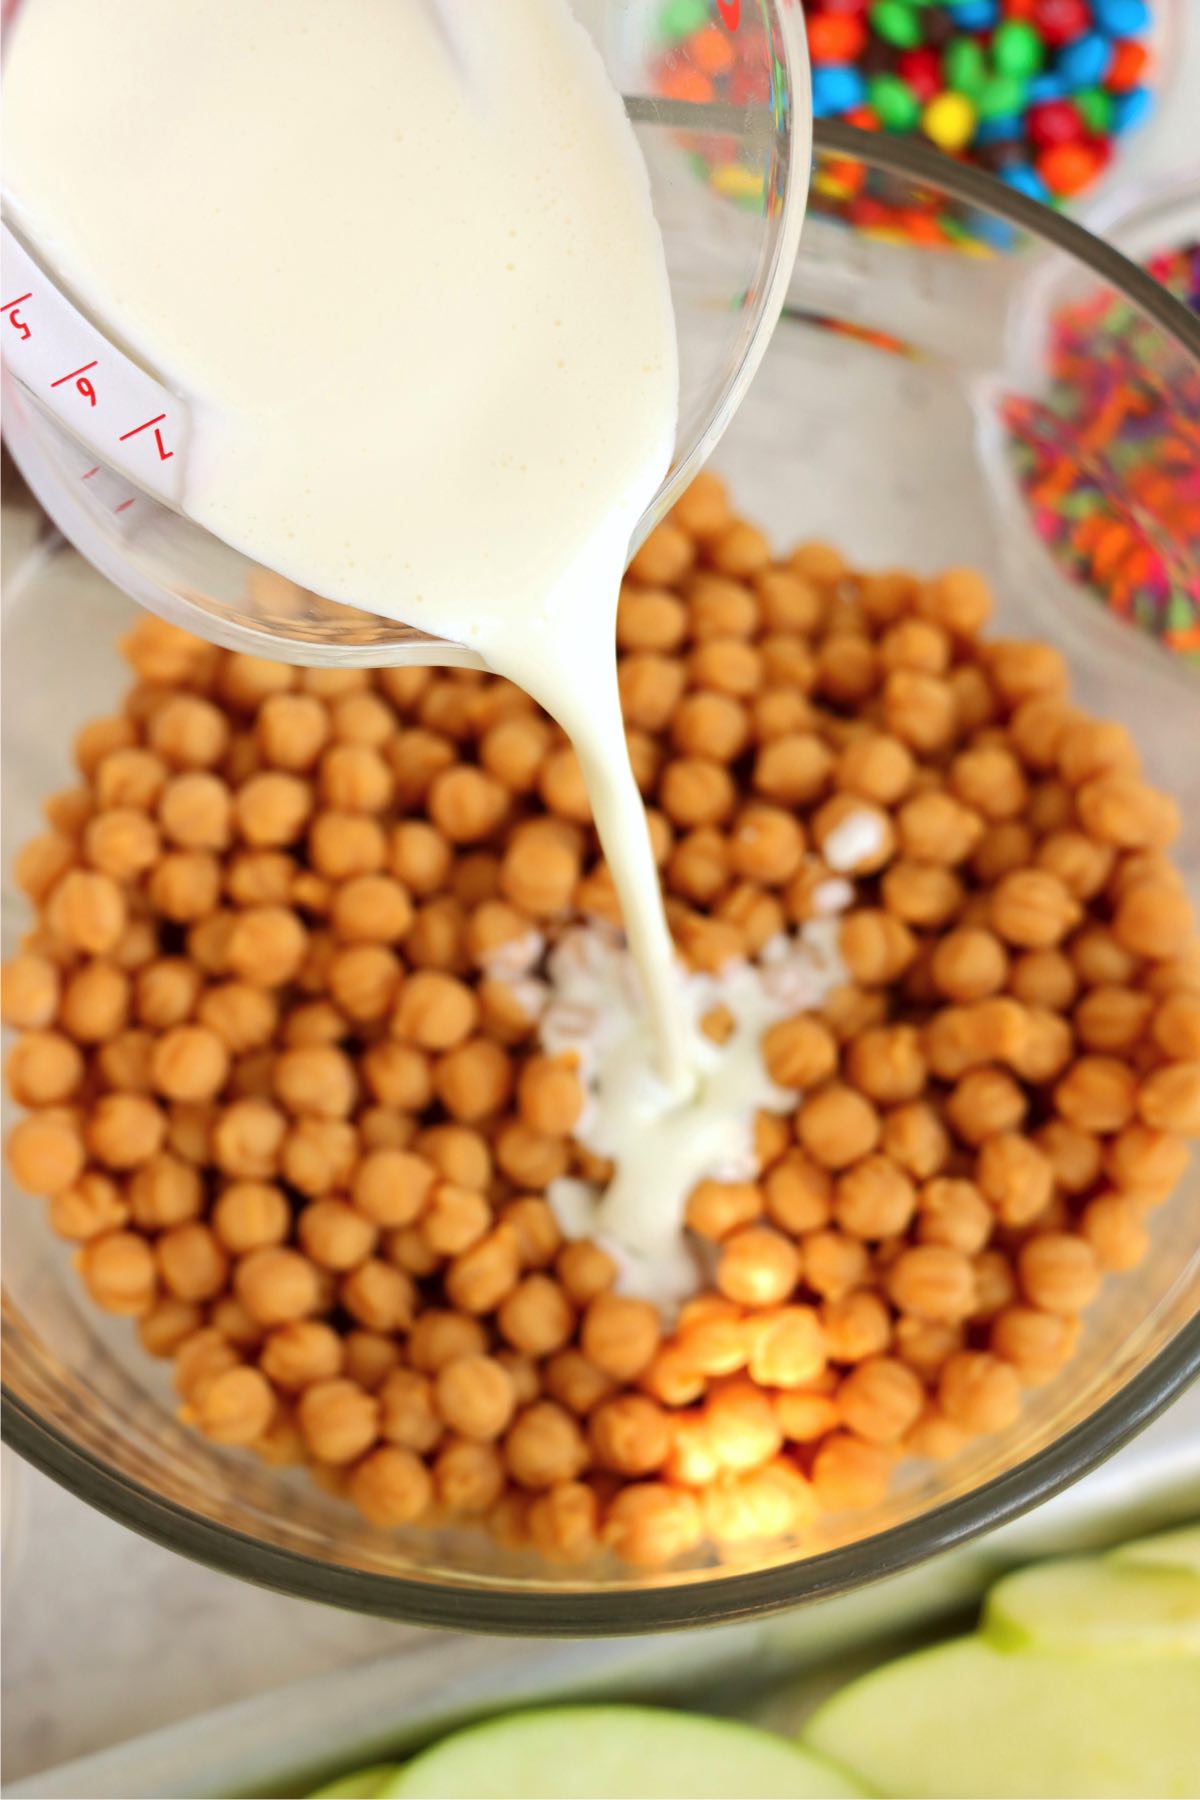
<point x="737" y="182"/>
<point x="949" y="121"/>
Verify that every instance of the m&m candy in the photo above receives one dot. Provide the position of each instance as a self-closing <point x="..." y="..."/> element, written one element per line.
<point x="1085" y="61"/>
<point x="949" y="121"/>
<point x="1017" y="48"/>
<point x="921" y="72"/>
<point x="1035" y="90"/>
<point x="894" y="102"/>
<point x="1053" y="122"/>
<point x="1131" y="108"/>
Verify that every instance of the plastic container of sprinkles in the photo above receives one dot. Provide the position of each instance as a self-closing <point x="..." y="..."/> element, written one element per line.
<point x="1041" y="93"/>
<point x="1099" y="455"/>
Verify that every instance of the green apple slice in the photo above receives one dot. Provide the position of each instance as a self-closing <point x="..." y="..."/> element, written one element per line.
<point x="1179" y="1549"/>
<point x="617" y="1753"/>
<point x="965" y="1720"/>
<point x="362" y="1784"/>
<point x="1089" y="1606"/>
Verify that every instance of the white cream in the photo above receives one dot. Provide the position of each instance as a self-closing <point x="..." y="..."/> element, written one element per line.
<point x="832" y="896"/>
<point x="401" y="260"/>
<point x="856" y="841"/>
<point x="661" y="1149"/>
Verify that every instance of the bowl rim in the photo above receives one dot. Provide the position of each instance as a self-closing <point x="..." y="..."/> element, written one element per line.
<point x="564" y="1610"/>
<point x="621" y="1611"/>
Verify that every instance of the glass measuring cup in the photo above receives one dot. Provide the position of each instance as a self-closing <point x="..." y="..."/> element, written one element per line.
<point x="115" y="495"/>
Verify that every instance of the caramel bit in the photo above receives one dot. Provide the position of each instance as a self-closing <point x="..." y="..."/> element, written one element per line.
<point x="284" y="1095"/>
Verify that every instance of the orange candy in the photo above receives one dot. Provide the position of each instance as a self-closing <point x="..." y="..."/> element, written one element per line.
<point x="835" y="37"/>
<point x="1067" y="168"/>
<point x="712" y="50"/>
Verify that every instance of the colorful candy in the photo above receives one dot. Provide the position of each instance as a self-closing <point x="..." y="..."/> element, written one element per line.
<point x="949" y="121"/>
<point x="1017" y="48"/>
<point x="1068" y="168"/>
<point x="896" y="23"/>
<point x="1036" y="91"/>
<point x="920" y="72"/>
<point x="894" y="102"/>
<point x="1109" y="460"/>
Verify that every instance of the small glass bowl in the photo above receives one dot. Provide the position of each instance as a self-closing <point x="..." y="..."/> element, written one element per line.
<point x="866" y="427"/>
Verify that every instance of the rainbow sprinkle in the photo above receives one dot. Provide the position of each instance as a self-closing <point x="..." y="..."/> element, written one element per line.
<point x="1109" y="459"/>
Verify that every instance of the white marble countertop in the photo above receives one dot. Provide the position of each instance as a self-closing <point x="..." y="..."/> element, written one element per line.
<point x="107" y="1635"/>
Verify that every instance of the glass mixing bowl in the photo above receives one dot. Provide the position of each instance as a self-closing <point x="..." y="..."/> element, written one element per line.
<point x="873" y="423"/>
<point x="728" y="271"/>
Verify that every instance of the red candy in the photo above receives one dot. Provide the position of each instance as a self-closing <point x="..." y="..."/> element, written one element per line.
<point x="1061" y="20"/>
<point x="922" y="70"/>
<point x="1067" y="168"/>
<point x="836" y="37"/>
<point x="1053" y="122"/>
<point x="1129" y="59"/>
<point x="867" y="211"/>
<point x="1020" y="9"/>
<point x="749" y="87"/>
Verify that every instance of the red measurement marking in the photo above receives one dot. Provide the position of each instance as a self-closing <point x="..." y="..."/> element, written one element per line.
<point x="90" y="473"/>
<point x="79" y="377"/>
<point x="8" y="306"/>
<point x="17" y="322"/>
<point x="82" y="370"/>
<point x="164" y="454"/>
<point x="123" y="505"/>
<point x="144" y="426"/>
<point x="731" y="13"/>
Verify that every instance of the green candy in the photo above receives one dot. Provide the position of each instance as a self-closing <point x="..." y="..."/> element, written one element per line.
<point x="895" y="103"/>
<point x="965" y="67"/>
<point x="679" y="18"/>
<point x="1001" y="97"/>
<point x="1095" y="108"/>
<point x="1017" y="49"/>
<point x="896" y="23"/>
<point x="1179" y="612"/>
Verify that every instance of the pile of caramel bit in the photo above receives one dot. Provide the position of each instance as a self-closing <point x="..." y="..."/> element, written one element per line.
<point x="278" y="1049"/>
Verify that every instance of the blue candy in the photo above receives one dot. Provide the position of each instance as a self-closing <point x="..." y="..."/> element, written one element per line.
<point x="975" y="15"/>
<point x="1000" y="130"/>
<point x="1026" y="181"/>
<point x="1130" y="109"/>
<point x="836" y="88"/>
<point x="1121" y="18"/>
<point x="988" y="229"/>
<point x="1084" y="63"/>
<point x="1045" y="86"/>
